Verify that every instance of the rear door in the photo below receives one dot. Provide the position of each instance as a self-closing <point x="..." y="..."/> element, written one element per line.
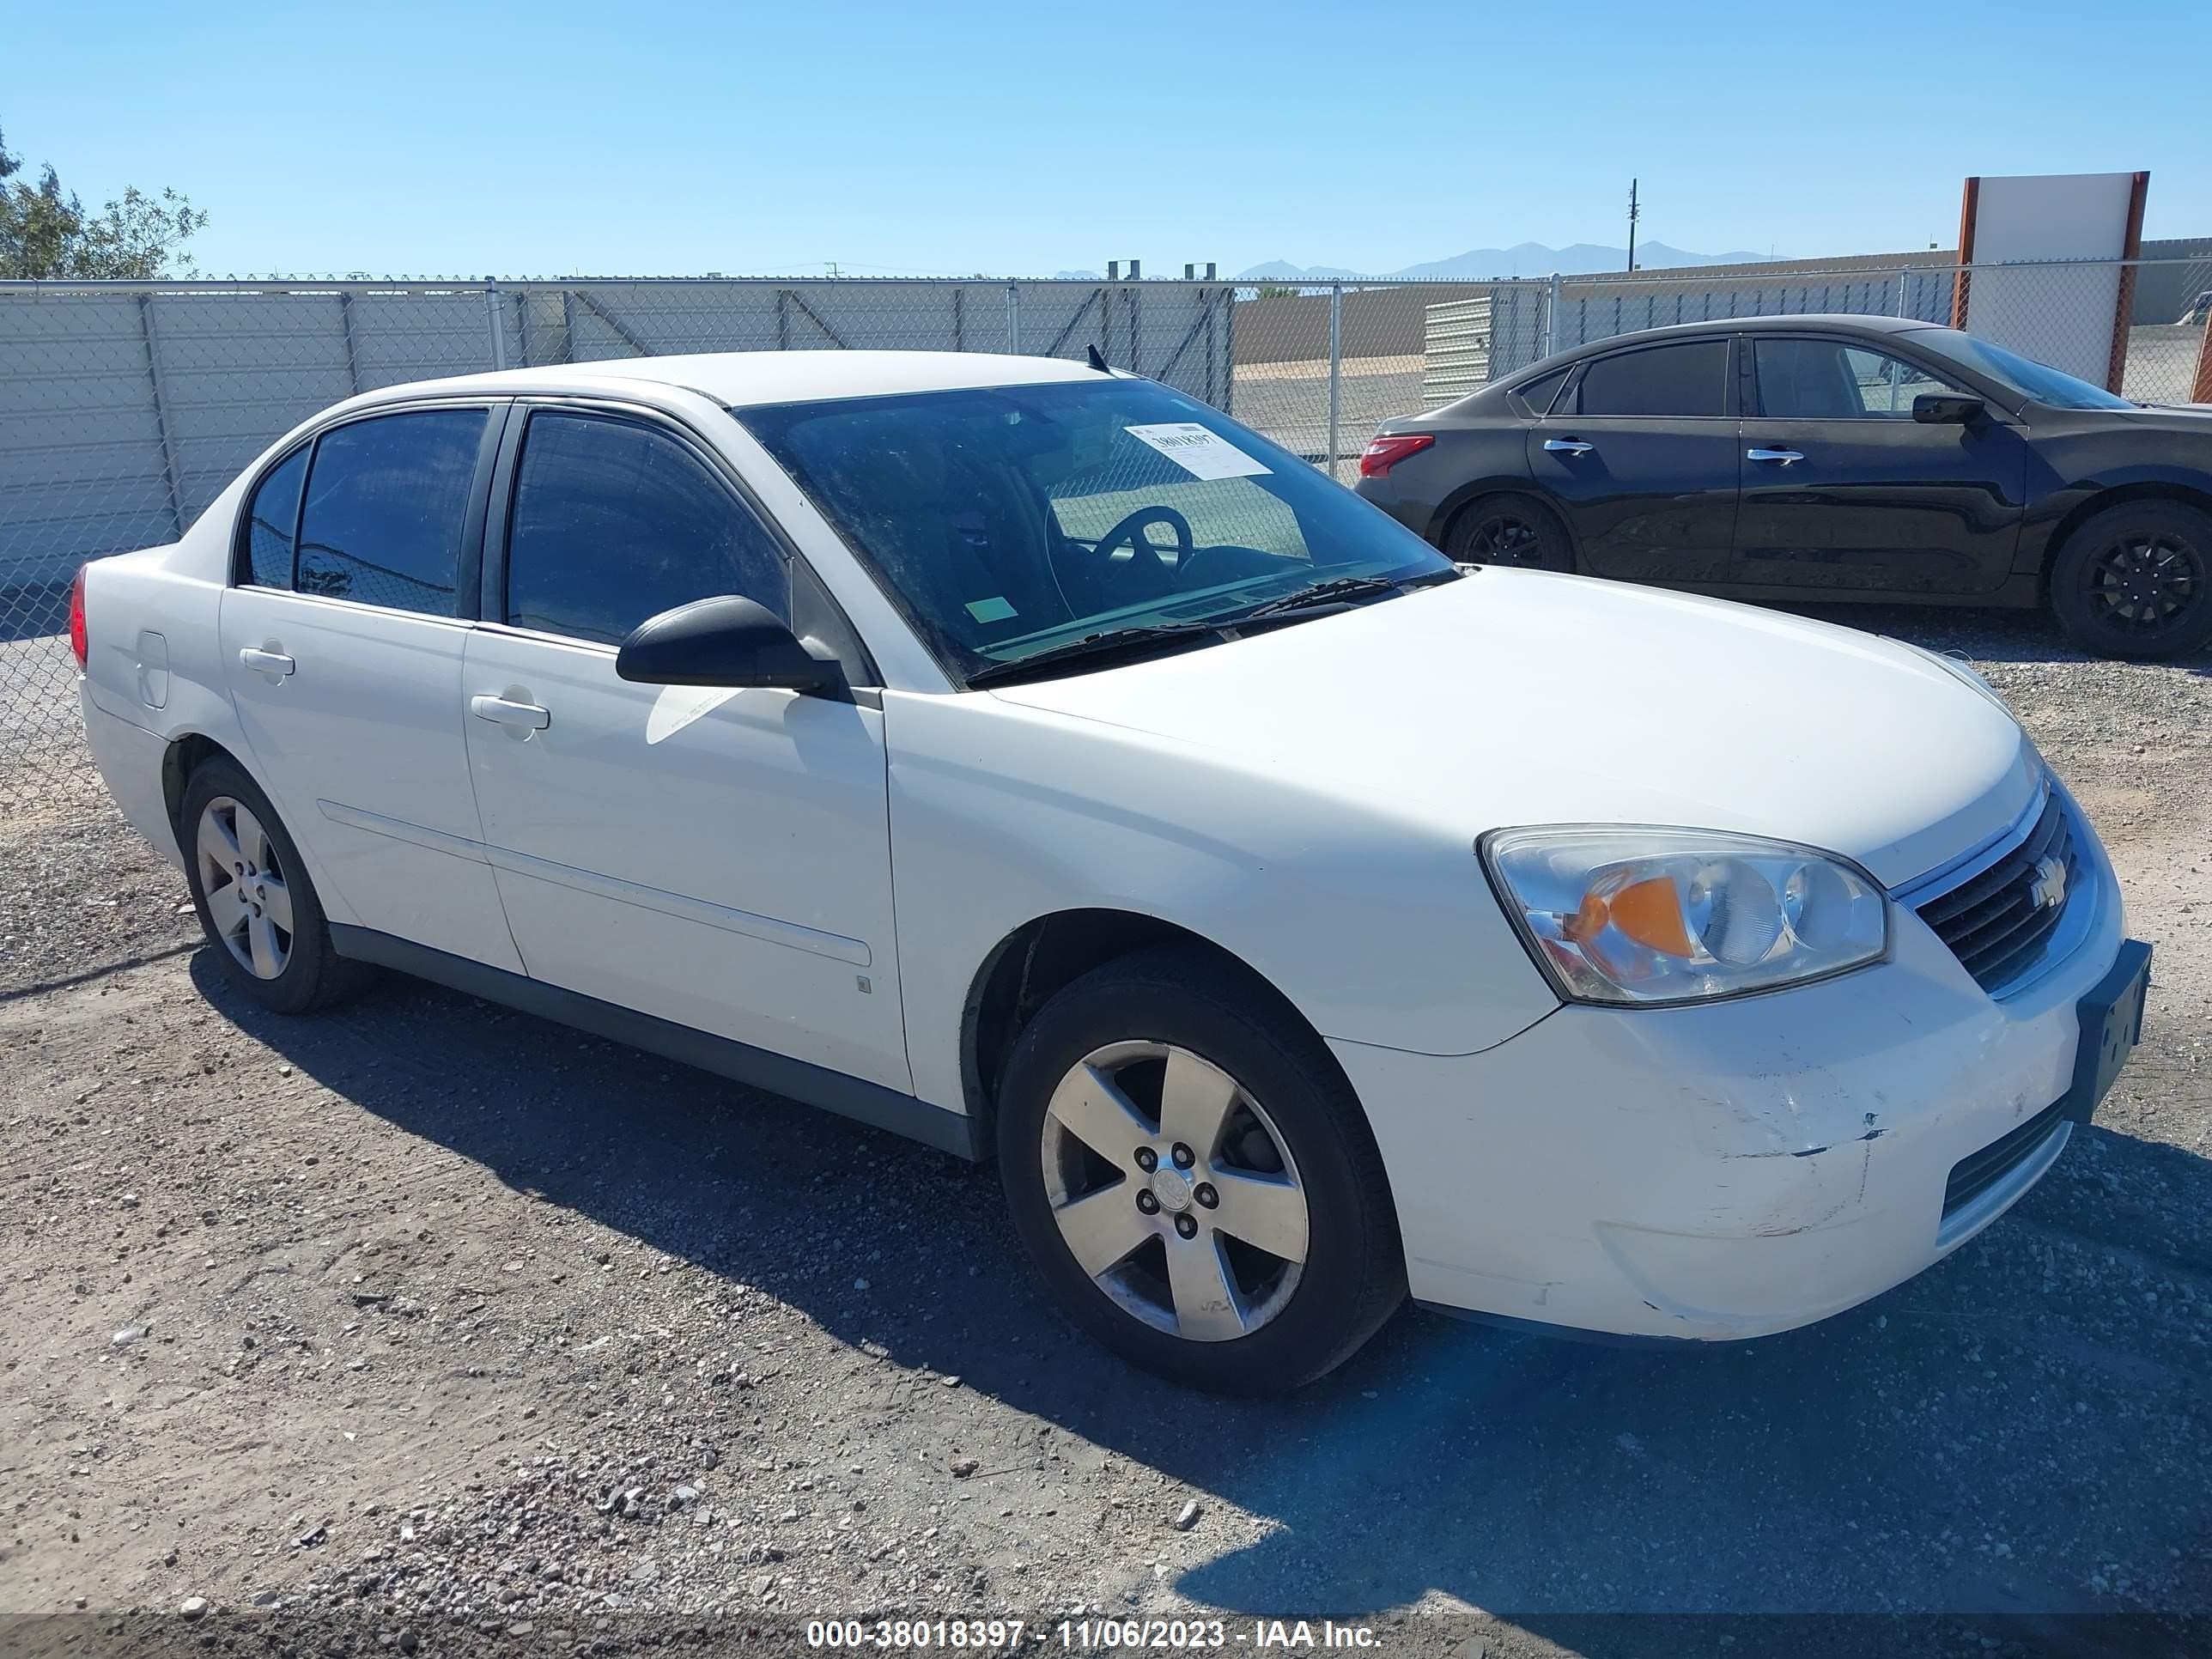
<point x="1844" y="490"/>
<point x="343" y="641"/>
<point x="717" y="858"/>
<point x="1639" y="450"/>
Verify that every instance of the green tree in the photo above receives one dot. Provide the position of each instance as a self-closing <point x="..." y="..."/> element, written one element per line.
<point x="46" y="232"/>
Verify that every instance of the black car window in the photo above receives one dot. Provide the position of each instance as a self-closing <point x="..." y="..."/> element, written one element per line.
<point x="1831" y="380"/>
<point x="270" y="518"/>
<point x="613" y="523"/>
<point x="1688" y="378"/>
<point x="1539" y="393"/>
<point x="387" y="504"/>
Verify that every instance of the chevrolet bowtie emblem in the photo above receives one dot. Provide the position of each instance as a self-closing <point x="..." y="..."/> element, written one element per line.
<point x="2049" y="890"/>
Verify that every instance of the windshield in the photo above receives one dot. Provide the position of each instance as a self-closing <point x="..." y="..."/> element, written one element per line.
<point x="2032" y="380"/>
<point x="1010" y="521"/>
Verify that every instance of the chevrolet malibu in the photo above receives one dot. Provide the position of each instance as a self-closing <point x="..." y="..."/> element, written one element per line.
<point x="1034" y="762"/>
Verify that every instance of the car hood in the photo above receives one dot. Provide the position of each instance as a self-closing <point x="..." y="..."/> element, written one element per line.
<point x="1518" y="697"/>
<point x="2182" y="417"/>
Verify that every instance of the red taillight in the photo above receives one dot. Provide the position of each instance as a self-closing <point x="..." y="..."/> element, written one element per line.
<point x="78" y="643"/>
<point x="1385" y="452"/>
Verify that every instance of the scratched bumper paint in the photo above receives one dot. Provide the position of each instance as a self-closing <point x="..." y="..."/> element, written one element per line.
<point x="1723" y="1172"/>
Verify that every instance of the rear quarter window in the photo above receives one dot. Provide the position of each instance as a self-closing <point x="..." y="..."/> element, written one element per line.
<point x="272" y="516"/>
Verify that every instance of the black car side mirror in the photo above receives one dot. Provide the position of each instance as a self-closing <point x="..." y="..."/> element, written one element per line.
<point x="1947" y="409"/>
<point x="726" y="641"/>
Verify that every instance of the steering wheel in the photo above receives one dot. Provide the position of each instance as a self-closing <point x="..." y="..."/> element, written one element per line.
<point x="1131" y="530"/>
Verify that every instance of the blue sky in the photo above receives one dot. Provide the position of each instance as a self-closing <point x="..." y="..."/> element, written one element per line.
<point x="956" y="135"/>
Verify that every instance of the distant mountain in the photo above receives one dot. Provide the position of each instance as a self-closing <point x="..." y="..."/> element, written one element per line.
<point x="1528" y="259"/>
<point x="1282" y="270"/>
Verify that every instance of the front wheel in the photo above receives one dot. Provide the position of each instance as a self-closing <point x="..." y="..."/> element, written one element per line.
<point x="2132" y="581"/>
<point x="1194" y="1180"/>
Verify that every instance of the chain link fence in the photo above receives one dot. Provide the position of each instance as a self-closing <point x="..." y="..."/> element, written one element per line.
<point x="126" y="408"/>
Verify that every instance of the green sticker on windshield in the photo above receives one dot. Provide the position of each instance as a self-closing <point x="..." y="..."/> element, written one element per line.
<point x="989" y="610"/>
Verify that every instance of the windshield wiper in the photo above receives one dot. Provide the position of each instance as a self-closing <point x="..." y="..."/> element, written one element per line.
<point x="1111" y="642"/>
<point x="1342" y="591"/>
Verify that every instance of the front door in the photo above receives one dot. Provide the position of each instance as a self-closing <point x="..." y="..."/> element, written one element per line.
<point x="719" y="859"/>
<point x="1640" y="454"/>
<point x="1843" y="488"/>
<point x="344" y="665"/>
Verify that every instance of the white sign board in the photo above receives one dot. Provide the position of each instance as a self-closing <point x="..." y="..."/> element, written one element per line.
<point x="2067" y="315"/>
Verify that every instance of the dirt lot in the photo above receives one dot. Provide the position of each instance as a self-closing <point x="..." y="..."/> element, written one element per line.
<point x="423" y="1318"/>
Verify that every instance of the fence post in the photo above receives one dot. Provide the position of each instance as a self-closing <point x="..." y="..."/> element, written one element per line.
<point x="1904" y="289"/>
<point x="161" y="414"/>
<point x="1335" y="368"/>
<point x="1549" y="335"/>
<point x="498" y="329"/>
<point x="353" y="354"/>
<point x="1013" y="319"/>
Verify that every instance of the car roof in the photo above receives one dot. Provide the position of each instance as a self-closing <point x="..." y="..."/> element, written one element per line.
<point x="1854" y="321"/>
<point x="766" y="377"/>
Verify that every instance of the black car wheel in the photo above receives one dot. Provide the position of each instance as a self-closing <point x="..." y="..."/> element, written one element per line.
<point x="1510" y="530"/>
<point x="2132" y="581"/>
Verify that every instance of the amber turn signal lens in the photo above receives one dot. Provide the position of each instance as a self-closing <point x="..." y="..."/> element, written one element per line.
<point x="1647" y="911"/>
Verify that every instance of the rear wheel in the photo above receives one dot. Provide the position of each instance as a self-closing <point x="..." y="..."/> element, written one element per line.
<point x="1194" y="1180"/>
<point x="2132" y="581"/>
<point x="1510" y="530"/>
<point x="253" y="895"/>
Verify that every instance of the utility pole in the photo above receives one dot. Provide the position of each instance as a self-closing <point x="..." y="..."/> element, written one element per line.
<point x="1632" y="211"/>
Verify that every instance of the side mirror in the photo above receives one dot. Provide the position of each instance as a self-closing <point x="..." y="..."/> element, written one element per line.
<point x="1947" y="409"/>
<point x="726" y="641"/>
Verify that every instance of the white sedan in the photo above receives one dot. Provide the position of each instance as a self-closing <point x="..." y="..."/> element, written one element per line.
<point x="1033" y="761"/>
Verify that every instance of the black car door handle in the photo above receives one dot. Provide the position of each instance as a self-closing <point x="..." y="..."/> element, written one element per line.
<point x="1567" y="446"/>
<point x="1778" y="457"/>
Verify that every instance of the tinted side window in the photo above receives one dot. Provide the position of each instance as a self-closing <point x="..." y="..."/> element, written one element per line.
<point x="1538" y="393"/>
<point x="613" y="523"/>
<point x="270" y="518"/>
<point x="387" y="504"/>
<point x="1690" y="379"/>
<point x="1826" y="380"/>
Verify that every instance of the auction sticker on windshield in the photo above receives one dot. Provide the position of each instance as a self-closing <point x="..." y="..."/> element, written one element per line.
<point x="1201" y="454"/>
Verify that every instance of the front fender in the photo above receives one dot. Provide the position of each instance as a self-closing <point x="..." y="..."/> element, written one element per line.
<point x="1377" y="929"/>
<point x="2076" y="472"/>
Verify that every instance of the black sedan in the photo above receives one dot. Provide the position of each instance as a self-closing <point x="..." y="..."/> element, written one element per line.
<point x="1824" y="458"/>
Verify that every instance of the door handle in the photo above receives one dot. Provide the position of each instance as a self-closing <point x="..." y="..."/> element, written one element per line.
<point x="1567" y="446"/>
<point x="1778" y="457"/>
<point x="274" y="664"/>
<point x="528" y="716"/>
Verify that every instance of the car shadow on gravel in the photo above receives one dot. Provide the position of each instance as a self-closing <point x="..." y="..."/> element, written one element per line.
<point x="2022" y="1430"/>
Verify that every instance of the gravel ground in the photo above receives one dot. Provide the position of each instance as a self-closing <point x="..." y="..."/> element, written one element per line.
<point x="423" y="1319"/>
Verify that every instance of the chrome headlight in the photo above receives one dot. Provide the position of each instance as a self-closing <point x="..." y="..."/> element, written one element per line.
<point x="1653" y="916"/>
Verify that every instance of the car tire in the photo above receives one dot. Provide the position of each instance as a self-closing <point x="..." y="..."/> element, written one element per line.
<point x="226" y="820"/>
<point x="1286" y="1256"/>
<point x="1517" y="531"/>
<point x="2135" y="582"/>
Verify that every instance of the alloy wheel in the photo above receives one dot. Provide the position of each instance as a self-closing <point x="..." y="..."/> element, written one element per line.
<point x="1502" y="539"/>
<point x="242" y="881"/>
<point x="2144" y="583"/>
<point x="1174" y="1191"/>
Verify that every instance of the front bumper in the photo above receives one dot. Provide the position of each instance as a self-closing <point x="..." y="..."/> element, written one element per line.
<point x="1732" y="1169"/>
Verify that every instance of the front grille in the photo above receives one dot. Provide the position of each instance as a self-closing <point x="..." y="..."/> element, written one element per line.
<point x="1993" y="921"/>
<point x="1976" y="1173"/>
